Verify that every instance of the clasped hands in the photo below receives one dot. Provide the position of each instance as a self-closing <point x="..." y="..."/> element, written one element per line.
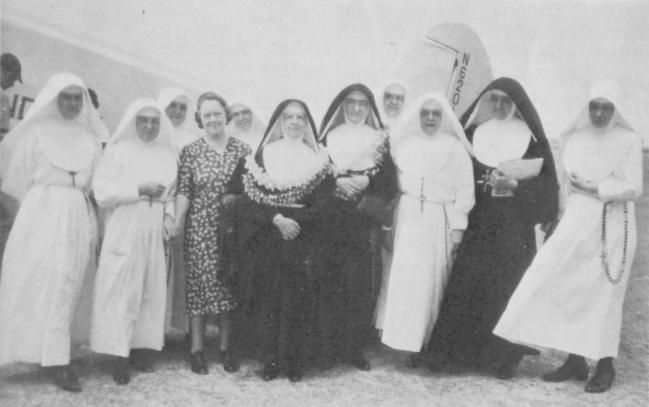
<point x="288" y="228"/>
<point x="581" y="184"/>
<point x="352" y="186"/>
<point x="154" y="190"/>
<point x="501" y="182"/>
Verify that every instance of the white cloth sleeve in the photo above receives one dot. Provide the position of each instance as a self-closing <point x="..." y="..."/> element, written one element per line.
<point x="20" y="170"/>
<point x="462" y="167"/>
<point x="170" y="202"/>
<point x="110" y="185"/>
<point x="626" y="186"/>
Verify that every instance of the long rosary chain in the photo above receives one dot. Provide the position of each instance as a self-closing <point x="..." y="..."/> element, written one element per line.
<point x="604" y="255"/>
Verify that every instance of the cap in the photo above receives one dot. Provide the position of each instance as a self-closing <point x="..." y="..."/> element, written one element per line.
<point x="10" y="62"/>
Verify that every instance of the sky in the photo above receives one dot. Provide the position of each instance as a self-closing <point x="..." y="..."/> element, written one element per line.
<point x="261" y="52"/>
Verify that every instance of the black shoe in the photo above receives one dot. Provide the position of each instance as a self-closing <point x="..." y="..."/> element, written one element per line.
<point x="121" y="374"/>
<point x="66" y="379"/>
<point x="271" y="371"/>
<point x="140" y="360"/>
<point x="294" y="375"/>
<point x="573" y="368"/>
<point x="197" y="362"/>
<point x="415" y="360"/>
<point x="602" y="380"/>
<point x="507" y="370"/>
<point x="360" y="362"/>
<point x="230" y="363"/>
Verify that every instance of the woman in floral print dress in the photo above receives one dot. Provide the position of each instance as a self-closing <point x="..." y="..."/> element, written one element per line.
<point x="208" y="177"/>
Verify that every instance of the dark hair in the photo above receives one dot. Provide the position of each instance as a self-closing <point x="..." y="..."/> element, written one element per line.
<point x="211" y="96"/>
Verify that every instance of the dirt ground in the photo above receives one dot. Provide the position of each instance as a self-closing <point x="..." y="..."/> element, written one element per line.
<point x="390" y="382"/>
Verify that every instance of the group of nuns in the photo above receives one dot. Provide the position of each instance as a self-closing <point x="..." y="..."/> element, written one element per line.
<point x="302" y="242"/>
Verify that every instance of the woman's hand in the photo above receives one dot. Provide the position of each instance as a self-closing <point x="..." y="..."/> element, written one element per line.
<point x="169" y="227"/>
<point x="456" y="238"/>
<point x="288" y="228"/>
<point x="501" y="182"/>
<point x="360" y="182"/>
<point x="151" y="189"/>
<point x="351" y="187"/>
<point x="582" y="184"/>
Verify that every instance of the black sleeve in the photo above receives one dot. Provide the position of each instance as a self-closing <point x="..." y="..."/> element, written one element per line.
<point x="539" y="196"/>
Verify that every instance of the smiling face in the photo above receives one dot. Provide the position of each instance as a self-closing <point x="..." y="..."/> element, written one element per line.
<point x="430" y="117"/>
<point x="356" y="107"/>
<point x="294" y="121"/>
<point x="70" y="102"/>
<point x="213" y="117"/>
<point x="502" y="105"/>
<point x="242" y="116"/>
<point x="601" y="112"/>
<point x="394" y="97"/>
<point x="176" y="111"/>
<point x="147" y="124"/>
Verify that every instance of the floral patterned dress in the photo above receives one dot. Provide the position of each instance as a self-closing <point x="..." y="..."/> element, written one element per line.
<point x="204" y="176"/>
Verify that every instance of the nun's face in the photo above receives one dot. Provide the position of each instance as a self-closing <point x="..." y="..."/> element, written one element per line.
<point x="356" y="106"/>
<point x="502" y="104"/>
<point x="242" y="117"/>
<point x="393" y="99"/>
<point x="430" y="117"/>
<point x="70" y="102"/>
<point x="147" y="124"/>
<point x="177" y="111"/>
<point x="601" y="112"/>
<point x="213" y="117"/>
<point x="294" y="121"/>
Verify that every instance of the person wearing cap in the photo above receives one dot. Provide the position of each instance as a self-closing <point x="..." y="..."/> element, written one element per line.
<point x="572" y="295"/>
<point x="51" y="248"/>
<point x="10" y="70"/>
<point x="135" y="179"/>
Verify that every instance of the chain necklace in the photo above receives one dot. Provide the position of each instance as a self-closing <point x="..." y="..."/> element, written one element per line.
<point x="604" y="255"/>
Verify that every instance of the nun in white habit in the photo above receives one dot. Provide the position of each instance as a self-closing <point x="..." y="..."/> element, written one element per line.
<point x="433" y="161"/>
<point x="246" y="125"/>
<point x="571" y="296"/>
<point x="134" y="179"/>
<point x="393" y="97"/>
<point x="175" y="103"/>
<point x="51" y="246"/>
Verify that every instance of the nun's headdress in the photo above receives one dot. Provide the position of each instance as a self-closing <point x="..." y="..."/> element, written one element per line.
<point x="411" y="124"/>
<point x="606" y="90"/>
<point x="274" y="130"/>
<point x="45" y="108"/>
<point x="335" y="115"/>
<point x="127" y="130"/>
<point x="480" y="110"/>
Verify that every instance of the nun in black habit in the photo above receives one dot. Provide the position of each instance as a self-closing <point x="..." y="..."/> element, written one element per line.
<point x="353" y="134"/>
<point x="499" y="243"/>
<point x="287" y="185"/>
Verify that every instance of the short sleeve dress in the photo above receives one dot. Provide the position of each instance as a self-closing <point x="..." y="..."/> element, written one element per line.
<point x="204" y="176"/>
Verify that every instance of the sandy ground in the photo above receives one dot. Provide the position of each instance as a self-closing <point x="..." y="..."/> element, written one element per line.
<point x="390" y="382"/>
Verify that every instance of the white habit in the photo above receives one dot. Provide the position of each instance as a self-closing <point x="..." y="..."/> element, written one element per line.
<point x="436" y="194"/>
<point x="51" y="247"/>
<point x="131" y="283"/>
<point x="565" y="300"/>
